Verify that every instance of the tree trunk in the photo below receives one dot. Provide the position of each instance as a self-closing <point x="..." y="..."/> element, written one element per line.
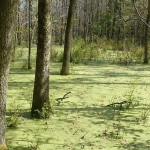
<point x="29" y="50"/>
<point x="7" y="12"/>
<point x="19" y="26"/>
<point x="41" y="84"/>
<point x="113" y="34"/>
<point x="146" y="58"/>
<point x="109" y="21"/>
<point x="62" y="24"/>
<point x="68" y="39"/>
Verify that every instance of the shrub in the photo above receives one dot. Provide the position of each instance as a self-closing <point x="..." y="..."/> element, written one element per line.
<point x="46" y="111"/>
<point x="129" y="53"/>
<point x="83" y="52"/>
<point x="13" y="121"/>
<point x="122" y="52"/>
<point x="54" y="54"/>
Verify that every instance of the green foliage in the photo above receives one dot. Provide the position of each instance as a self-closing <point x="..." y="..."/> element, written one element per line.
<point x="54" y="54"/>
<point x="13" y="121"/>
<point x="84" y="52"/>
<point x="33" y="146"/>
<point x="20" y="53"/>
<point x="122" y="53"/>
<point x="60" y="57"/>
<point x="126" y="53"/>
<point x="24" y="64"/>
<point x="130" y="96"/>
<point x="46" y="111"/>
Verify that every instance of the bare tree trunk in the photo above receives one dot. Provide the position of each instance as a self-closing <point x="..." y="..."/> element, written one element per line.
<point x="29" y="50"/>
<point x="146" y="58"/>
<point x="68" y="39"/>
<point x="19" y="27"/>
<point x="41" y="84"/>
<point x="7" y="12"/>
<point x="109" y="22"/>
<point x="62" y="24"/>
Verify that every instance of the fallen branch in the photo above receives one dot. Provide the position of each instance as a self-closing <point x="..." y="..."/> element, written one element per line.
<point x="119" y="103"/>
<point x="59" y="100"/>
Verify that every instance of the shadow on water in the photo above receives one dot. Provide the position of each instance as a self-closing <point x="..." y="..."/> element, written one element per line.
<point x="25" y="113"/>
<point x="136" y="145"/>
<point x="21" y="71"/>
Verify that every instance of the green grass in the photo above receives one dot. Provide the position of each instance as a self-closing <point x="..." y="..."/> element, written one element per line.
<point x="82" y="121"/>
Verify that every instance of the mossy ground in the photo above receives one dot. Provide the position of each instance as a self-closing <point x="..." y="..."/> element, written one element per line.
<point x="82" y="121"/>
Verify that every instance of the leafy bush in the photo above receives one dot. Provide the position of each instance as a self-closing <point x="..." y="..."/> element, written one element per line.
<point x="13" y="121"/>
<point x="46" y="111"/>
<point x="122" y="53"/>
<point x="83" y="52"/>
<point x="54" y="54"/>
<point x="127" y="53"/>
<point x="60" y="57"/>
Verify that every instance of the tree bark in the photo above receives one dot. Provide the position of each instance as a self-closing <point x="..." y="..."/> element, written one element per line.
<point x="29" y="50"/>
<point x="146" y="58"/>
<point x="41" y="84"/>
<point x="7" y="12"/>
<point x="68" y="39"/>
<point x="19" y="26"/>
